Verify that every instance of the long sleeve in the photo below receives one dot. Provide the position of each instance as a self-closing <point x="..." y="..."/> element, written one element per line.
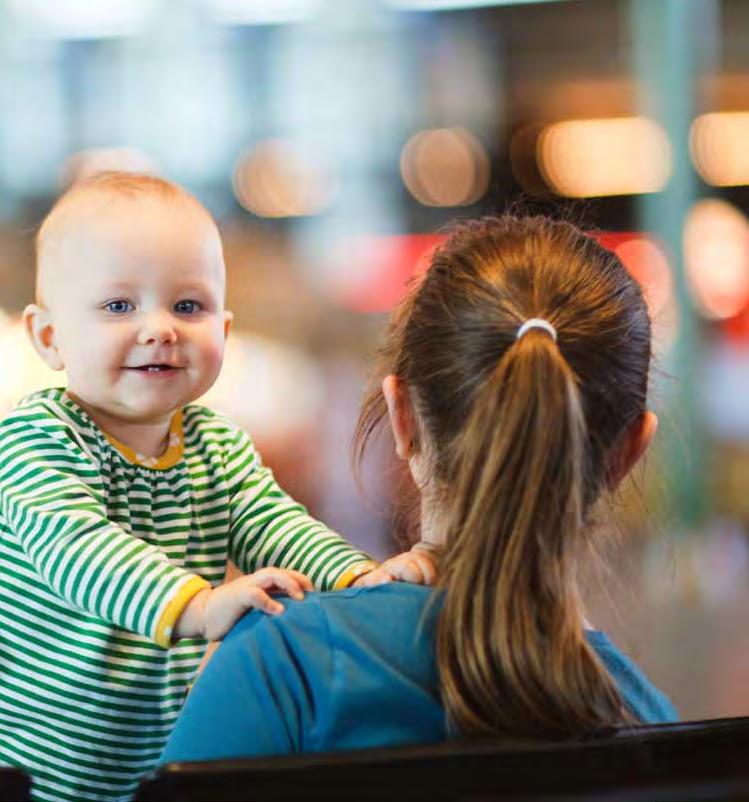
<point x="51" y="497"/>
<point x="269" y="528"/>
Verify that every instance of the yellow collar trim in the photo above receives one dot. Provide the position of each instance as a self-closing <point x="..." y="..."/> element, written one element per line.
<point x="174" y="450"/>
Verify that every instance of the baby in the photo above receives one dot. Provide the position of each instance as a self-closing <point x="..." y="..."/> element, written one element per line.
<point x="120" y="501"/>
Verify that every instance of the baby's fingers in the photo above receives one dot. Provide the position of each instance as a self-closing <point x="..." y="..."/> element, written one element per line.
<point x="256" y="597"/>
<point x="293" y="583"/>
<point x="304" y="581"/>
<point x="228" y="603"/>
<point x="379" y="576"/>
<point x="426" y="566"/>
<point x="404" y="568"/>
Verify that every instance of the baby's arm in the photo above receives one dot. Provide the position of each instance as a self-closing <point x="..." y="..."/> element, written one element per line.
<point x="269" y="528"/>
<point x="51" y="497"/>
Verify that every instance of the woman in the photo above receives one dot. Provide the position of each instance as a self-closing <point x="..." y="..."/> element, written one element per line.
<point x="514" y="379"/>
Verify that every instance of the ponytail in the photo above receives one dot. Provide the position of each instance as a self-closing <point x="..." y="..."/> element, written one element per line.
<point x="511" y="650"/>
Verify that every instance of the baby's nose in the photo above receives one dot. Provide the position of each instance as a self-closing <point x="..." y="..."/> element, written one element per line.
<point x="157" y="329"/>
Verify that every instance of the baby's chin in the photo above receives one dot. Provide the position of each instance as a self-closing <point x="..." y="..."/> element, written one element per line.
<point x="135" y="413"/>
<point x="145" y="413"/>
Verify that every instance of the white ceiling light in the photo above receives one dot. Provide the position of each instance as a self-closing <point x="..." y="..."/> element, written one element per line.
<point x="262" y="12"/>
<point x="454" y="5"/>
<point x="83" y="19"/>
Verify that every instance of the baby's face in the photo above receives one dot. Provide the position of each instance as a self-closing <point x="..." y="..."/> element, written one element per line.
<point x="135" y="293"/>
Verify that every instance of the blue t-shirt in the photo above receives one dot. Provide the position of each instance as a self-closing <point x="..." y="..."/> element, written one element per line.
<point x="343" y="670"/>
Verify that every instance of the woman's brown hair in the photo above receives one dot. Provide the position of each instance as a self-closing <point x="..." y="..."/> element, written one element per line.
<point x="518" y="433"/>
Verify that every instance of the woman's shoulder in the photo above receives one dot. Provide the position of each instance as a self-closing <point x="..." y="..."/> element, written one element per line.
<point x="391" y="625"/>
<point x="308" y="676"/>
<point x="390" y="610"/>
<point x="326" y="636"/>
<point x="403" y="597"/>
<point x="642" y="697"/>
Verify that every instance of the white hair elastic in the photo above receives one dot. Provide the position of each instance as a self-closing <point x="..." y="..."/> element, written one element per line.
<point x="537" y="323"/>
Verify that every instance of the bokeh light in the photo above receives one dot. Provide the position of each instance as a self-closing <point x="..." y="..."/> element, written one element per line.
<point x="276" y="179"/>
<point x="648" y="264"/>
<point x="371" y="273"/>
<point x="716" y="257"/>
<point x="599" y="157"/>
<point x="718" y="143"/>
<point x="445" y="167"/>
<point x="86" y="163"/>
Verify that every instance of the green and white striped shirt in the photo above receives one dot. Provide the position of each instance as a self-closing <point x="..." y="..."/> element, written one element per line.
<point x="99" y="548"/>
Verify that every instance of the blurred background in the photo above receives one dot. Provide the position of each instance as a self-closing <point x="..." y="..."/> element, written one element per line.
<point x="332" y="138"/>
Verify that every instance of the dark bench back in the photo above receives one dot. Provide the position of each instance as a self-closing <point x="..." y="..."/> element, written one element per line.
<point x="15" y="785"/>
<point x="693" y="761"/>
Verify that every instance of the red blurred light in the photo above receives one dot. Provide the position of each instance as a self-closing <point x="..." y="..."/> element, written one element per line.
<point x="393" y="260"/>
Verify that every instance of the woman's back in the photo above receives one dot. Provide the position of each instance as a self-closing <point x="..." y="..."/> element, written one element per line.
<point x="344" y="670"/>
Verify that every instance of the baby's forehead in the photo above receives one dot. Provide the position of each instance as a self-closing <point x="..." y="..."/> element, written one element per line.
<point x="91" y="218"/>
<point x="93" y="209"/>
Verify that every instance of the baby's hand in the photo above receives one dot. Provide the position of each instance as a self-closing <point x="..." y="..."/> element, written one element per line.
<point x="212" y="613"/>
<point x="417" y="566"/>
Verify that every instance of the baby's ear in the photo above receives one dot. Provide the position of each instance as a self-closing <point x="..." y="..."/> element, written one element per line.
<point x="41" y="331"/>
<point x="228" y="320"/>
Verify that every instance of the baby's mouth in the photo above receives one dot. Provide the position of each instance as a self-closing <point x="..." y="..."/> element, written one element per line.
<point x="157" y="368"/>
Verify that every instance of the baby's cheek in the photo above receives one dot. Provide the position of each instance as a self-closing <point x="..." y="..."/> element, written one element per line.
<point x="213" y="355"/>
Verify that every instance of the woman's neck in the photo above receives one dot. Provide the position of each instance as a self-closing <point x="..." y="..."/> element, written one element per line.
<point x="432" y="523"/>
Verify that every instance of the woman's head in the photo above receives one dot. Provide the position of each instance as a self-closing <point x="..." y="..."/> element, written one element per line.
<point x="515" y="438"/>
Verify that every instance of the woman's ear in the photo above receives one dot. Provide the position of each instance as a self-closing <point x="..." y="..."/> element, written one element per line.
<point x="636" y="442"/>
<point x="400" y="415"/>
<point x="41" y="332"/>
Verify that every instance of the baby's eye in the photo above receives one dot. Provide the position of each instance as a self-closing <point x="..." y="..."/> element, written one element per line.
<point x="119" y="306"/>
<point x="186" y="307"/>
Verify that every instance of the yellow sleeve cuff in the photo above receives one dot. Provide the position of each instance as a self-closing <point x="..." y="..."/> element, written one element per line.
<point x="175" y="607"/>
<point x="350" y="575"/>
